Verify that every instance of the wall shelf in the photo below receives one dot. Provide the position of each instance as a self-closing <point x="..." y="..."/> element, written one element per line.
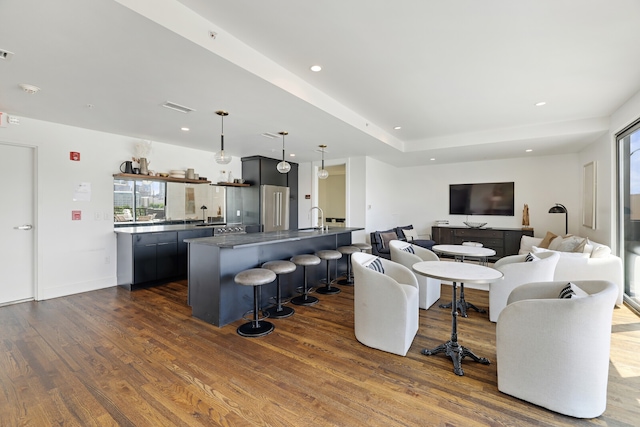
<point x="232" y="184"/>
<point x="139" y="177"/>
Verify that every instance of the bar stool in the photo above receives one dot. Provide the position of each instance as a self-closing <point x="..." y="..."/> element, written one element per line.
<point x="279" y="267"/>
<point x="364" y="247"/>
<point x="347" y="250"/>
<point x="328" y="255"/>
<point x="255" y="277"/>
<point x="305" y="261"/>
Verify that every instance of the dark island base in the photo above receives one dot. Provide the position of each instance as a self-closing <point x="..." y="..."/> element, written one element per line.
<point x="214" y="296"/>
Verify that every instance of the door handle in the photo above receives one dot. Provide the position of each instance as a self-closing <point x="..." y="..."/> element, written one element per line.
<point x="23" y="227"/>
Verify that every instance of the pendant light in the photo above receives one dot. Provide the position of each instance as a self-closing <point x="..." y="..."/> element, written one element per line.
<point x="283" y="166"/>
<point x="221" y="157"/>
<point x="323" y="173"/>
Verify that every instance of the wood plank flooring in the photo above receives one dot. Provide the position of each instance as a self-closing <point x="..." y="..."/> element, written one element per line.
<point x="114" y="357"/>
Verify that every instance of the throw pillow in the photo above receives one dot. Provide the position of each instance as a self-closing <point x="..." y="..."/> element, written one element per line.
<point x="600" y="251"/>
<point x="555" y="243"/>
<point x="569" y="244"/>
<point x="537" y="250"/>
<point x="409" y="249"/>
<point x="572" y="291"/>
<point x="410" y="234"/>
<point x="547" y="239"/>
<point x="376" y="265"/>
<point x="387" y="237"/>
<point x="530" y="257"/>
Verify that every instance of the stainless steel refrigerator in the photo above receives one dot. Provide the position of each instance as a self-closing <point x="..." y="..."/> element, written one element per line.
<point x="274" y="209"/>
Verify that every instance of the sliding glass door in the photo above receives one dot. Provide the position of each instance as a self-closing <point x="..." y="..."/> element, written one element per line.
<point x="629" y="210"/>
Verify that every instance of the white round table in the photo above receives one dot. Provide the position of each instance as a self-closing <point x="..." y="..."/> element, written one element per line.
<point x="460" y="252"/>
<point x="456" y="272"/>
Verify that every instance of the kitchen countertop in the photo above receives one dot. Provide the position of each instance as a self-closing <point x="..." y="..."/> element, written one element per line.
<point x="161" y="227"/>
<point x="255" y="239"/>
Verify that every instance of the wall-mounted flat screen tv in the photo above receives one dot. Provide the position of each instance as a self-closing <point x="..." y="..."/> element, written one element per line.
<point x="492" y="198"/>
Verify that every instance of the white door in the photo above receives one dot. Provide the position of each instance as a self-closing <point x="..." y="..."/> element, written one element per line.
<point x="16" y="224"/>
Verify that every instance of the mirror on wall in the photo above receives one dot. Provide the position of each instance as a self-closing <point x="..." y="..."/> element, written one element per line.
<point x="143" y="202"/>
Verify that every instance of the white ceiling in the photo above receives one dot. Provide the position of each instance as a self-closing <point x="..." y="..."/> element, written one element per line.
<point x="461" y="77"/>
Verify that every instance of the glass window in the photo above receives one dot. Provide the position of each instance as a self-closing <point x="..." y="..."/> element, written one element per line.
<point x="139" y="201"/>
<point x="629" y="216"/>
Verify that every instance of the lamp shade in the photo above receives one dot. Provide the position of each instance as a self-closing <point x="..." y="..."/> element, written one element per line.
<point x="323" y="173"/>
<point x="558" y="208"/>
<point x="221" y="157"/>
<point x="283" y="166"/>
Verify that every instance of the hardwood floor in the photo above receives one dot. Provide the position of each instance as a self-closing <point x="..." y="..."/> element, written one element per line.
<point x="114" y="357"/>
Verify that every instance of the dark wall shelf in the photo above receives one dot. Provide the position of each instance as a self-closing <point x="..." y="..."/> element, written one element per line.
<point x="139" y="177"/>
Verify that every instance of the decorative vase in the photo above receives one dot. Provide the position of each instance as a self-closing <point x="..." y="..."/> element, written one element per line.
<point x="144" y="166"/>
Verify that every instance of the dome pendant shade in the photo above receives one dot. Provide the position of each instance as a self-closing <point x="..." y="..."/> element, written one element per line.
<point x="221" y="157"/>
<point x="323" y="173"/>
<point x="283" y="166"/>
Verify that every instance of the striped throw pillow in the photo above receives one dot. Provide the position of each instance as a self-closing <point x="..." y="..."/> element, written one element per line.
<point x="409" y="249"/>
<point x="376" y="265"/>
<point x="530" y="257"/>
<point x="572" y="291"/>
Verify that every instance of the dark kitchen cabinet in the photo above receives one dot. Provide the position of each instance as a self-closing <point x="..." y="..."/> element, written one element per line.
<point x="147" y="258"/>
<point x="259" y="170"/>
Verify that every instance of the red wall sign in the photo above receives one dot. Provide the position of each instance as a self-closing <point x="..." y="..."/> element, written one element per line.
<point x="76" y="215"/>
<point x="75" y="156"/>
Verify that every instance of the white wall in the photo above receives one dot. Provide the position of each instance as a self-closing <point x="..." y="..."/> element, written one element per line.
<point x="600" y="152"/>
<point x="79" y="256"/>
<point x="539" y="182"/>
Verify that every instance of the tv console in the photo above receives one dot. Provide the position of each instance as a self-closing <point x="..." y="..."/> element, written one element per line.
<point x="505" y="241"/>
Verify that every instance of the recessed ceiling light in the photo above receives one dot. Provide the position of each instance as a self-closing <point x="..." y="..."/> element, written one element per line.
<point x="433" y="158"/>
<point x="397" y="127"/>
<point x="528" y="150"/>
<point x="291" y="155"/>
<point x="540" y="104"/>
<point x="315" y="68"/>
<point x="185" y="129"/>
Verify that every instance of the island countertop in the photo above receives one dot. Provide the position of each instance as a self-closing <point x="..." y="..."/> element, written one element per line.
<point x="256" y="239"/>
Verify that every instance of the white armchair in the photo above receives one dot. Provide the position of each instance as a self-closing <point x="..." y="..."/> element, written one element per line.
<point x="518" y="272"/>
<point x="385" y="304"/>
<point x="554" y="352"/>
<point x="429" y="289"/>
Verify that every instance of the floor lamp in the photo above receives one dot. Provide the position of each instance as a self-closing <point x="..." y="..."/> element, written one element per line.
<point x="558" y="208"/>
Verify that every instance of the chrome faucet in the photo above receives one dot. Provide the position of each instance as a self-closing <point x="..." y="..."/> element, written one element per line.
<point x="321" y="222"/>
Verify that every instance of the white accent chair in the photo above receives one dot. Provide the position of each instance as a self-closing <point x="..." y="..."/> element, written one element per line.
<point x="386" y="313"/>
<point x="429" y="288"/>
<point x="554" y="352"/>
<point x="518" y="272"/>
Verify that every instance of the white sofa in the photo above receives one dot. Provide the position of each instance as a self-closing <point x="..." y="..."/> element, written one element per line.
<point x="595" y="262"/>
<point x="429" y="287"/>
<point x="554" y="352"/>
<point x="385" y="305"/>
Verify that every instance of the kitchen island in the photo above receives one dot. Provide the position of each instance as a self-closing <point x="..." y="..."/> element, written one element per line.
<point x="213" y="263"/>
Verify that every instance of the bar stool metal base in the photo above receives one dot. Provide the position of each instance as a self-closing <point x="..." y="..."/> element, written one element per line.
<point x="255" y="329"/>
<point x="281" y="313"/>
<point x="304" y="300"/>
<point x="328" y="290"/>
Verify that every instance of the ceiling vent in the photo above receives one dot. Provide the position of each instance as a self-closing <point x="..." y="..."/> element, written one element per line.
<point x="270" y="135"/>
<point x="177" y="107"/>
<point x="6" y="55"/>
